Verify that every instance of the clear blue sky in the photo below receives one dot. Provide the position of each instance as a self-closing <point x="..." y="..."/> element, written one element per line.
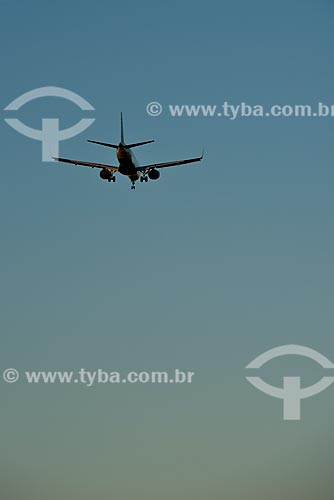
<point x="202" y="270"/>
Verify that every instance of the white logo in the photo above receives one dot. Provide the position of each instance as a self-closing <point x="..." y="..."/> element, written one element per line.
<point x="154" y="108"/>
<point x="50" y="135"/>
<point x="291" y="392"/>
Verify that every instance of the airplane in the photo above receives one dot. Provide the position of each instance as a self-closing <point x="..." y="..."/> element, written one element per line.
<point x="128" y="165"/>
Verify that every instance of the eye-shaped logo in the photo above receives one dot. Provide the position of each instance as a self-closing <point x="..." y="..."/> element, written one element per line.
<point x="50" y="135"/>
<point x="291" y="392"/>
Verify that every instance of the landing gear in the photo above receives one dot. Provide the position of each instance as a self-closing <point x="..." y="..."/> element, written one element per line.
<point x="133" y="178"/>
<point x="113" y="178"/>
<point x="144" y="178"/>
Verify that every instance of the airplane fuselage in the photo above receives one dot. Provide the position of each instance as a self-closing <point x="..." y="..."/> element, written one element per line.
<point x="127" y="162"/>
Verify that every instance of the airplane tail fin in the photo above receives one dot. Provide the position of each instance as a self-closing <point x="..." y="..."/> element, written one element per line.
<point x="122" y="131"/>
<point x="115" y="146"/>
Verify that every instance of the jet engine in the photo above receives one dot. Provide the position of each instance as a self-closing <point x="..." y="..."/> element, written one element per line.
<point x="106" y="174"/>
<point x="153" y="174"/>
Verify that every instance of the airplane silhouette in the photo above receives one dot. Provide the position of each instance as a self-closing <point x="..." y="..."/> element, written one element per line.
<point x="128" y="165"/>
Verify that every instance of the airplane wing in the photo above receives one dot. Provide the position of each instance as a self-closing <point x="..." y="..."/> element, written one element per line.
<point x="87" y="164"/>
<point x="170" y="163"/>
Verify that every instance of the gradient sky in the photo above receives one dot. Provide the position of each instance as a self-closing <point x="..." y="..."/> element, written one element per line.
<point x="202" y="270"/>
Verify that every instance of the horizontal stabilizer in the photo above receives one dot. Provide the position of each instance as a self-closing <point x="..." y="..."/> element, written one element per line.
<point x="134" y="145"/>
